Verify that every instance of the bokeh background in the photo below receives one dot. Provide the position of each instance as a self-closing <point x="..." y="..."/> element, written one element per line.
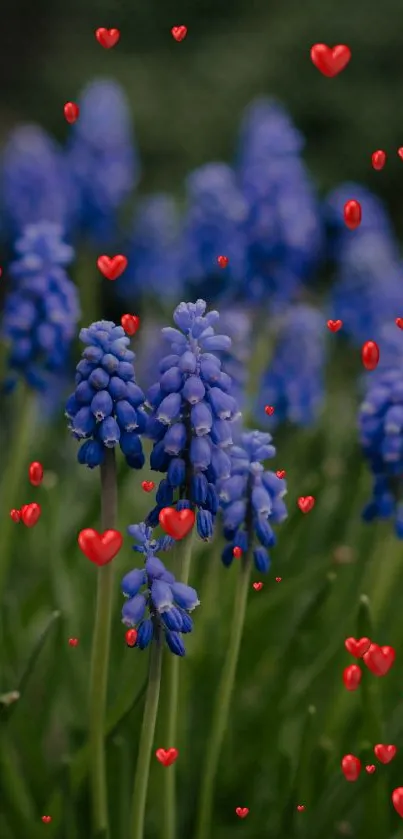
<point x="292" y="719"/>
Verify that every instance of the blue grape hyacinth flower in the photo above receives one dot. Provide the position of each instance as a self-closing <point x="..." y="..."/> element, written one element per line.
<point x="103" y="157"/>
<point x="106" y="408"/>
<point x="155" y="601"/>
<point x="42" y="311"/>
<point x="252" y="500"/>
<point x="294" y="380"/>
<point x="192" y="410"/>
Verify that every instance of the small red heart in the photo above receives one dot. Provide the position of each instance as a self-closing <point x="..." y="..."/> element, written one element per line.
<point x="179" y="32"/>
<point x="177" y="523"/>
<point x="30" y="514"/>
<point x="112" y="266"/>
<point x="378" y="159"/>
<point x="100" y="548"/>
<point x="334" y="325"/>
<point x="384" y="753"/>
<point x="370" y="769"/>
<point x="147" y="485"/>
<point x="35" y="473"/>
<point x="257" y="586"/>
<point x="71" y="112"/>
<point x="167" y="756"/>
<point x="306" y="503"/>
<point x="352" y="214"/>
<point x="242" y="812"/>
<point x="15" y="515"/>
<point x="237" y="552"/>
<point x="107" y="37"/>
<point x="330" y="61"/>
<point x="397" y="800"/>
<point x="351" y="767"/>
<point x="73" y="642"/>
<point x="370" y="355"/>
<point x="131" y="637"/>
<point x="300" y="808"/>
<point x="357" y="648"/>
<point x="130" y="324"/>
<point x="222" y="261"/>
<point x="352" y="676"/>
<point x="269" y="410"/>
<point x="46" y="819"/>
<point x="278" y="579"/>
<point x="379" y="659"/>
<point x="280" y="473"/>
<point x="399" y="322"/>
<point x="400" y="152"/>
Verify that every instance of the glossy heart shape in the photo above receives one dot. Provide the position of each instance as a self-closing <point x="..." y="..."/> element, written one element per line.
<point x="179" y="32"/>
<point x="351" y="767"/>
<point x="384" y="753"/>
<point x="378" y="159"/>
<point x="15" y="515"/>
<point x="242" y="812"/>
<point x="176" y="523"/>
<point x="400" y="152"/>
<point x="107" y="37"/>
<point x="100" y="548"/>
<point x="357" y="648"/>
<point x="131" y="637"/>
<point x="222" y="261"/>
<point x="73" y="642"/>
<point x="397" y="800"/>
<point x="370" y="355"/>
<point x="352" y="676"/>
<point x="30" y="514"/>
<point x="334" y="325"/>
<point x="330" y="61"/>
<point x="278" y="579"/>
<point x="130" y="323"/>
<point x="352" y="214"/>
<point x="280" y="473"/>
<point x="399" y="322"/>
<point x="306" y="503"/>
<point x="46" y="819"/>
<point x="35" y="473"/>
<point x="269" y="410"/>
<point x="370" y="769"/>
<point x="166" y="756"/>
<point x="379" y="659"/>
<point x="71" y="112"/>
<point x="237" y="552"/>
<point x="300" y="808"/>
<point x="147" y="486"/>
<point x="257" y="586"/>
<point x="112" y="266"/>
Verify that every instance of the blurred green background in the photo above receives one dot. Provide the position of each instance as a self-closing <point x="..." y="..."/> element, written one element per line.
<point x="292" y="720"/>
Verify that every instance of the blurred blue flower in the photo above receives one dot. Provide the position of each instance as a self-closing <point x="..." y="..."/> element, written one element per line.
<point x="36" y="184"/>
<point x="149" y="351"/>
<point x="192" y="410"/>
<point x="213" y="227"/>
<point x="103" y="157"/>
<point x="252" y="500"/>
<point x="237" y="322"/>
<point x="153" y="251"/>
<point x="156" y="602"/>
<point x="284" y="227"/>
<point x="106" y="407"/>
<point x="294" y="380"/>
<point x="41" y="313"/>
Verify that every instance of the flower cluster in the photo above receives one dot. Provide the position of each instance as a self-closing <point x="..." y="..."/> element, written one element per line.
<point x="252" y="500"/>
<point x="192" y="410"/>
<point x="106" y="406"/>
<point x="41" y="313"/>
<point x="156" y="602"/>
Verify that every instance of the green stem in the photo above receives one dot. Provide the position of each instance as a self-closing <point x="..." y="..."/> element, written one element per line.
<point x="183" y="552"/>
<point x="12" y="478"/>
<point x="223" y="701"/>
<point x="89" y="282"/>
<point x="100" y="653"/>
<point x="146" y="741"/>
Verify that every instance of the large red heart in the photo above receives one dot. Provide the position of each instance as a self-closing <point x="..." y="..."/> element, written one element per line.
<point x="166" y="756"/>
<point x="112" y="266"/>
<point x="357" y="648"/>
<point x="397" y="800"/>
<point x="100" y="548"/>
<point x="177" y="523"/>
<point x="30" y="514"/>
<point x="334" y="325"/>
<point x="179" y="32"/>
<point x="306" y="503"/>
<point x="330" y="61"/>
<point x="351" y="767"/>
<point x="242" y="812"/>
<point x="107" y="37"/>
<point x="385" y="753"/>
<point x="379" y="659"/>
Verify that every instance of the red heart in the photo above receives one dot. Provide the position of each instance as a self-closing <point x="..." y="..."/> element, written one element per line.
<point x="397" y="800"/>
<point x="399" y="322"/>
<point x="379" y="659"/>
<point x="73" y="642"/>
<point x="177" y="523"/>
<point x="257" y="586"/>
<point x="269" y="410"/>
<point x="167" y="756"/>
<point x="357" y="648"/>
<point x="242" y="812"/>
<point x="278" y="579"/>
<point x="330" y="61"/>
<point x="107" y="37"/>
<point x="35" y="473"/>
<point x="112" y="266"/>
<point x="222" y="261"/>
<point x="370" y="769"/>
<point x="237" y="552"/>
<point x="147" y="485"/>
<point x="306" y="503"/>
<point x="15" y="515"/>
<point x="131" y="637"/>
<point x="179" y="32"/>
<point x="400" y="152"/>
<point x="30" y="514"/>
<point x="352" y="676"/>
<point x="71" y="112"/>
<point x="300" y="808"/>
<point x="378" y="159"/>
<point x="385" y="753"/>
<point x="280" y="473"/>
<point x="351" y="767"/>
<point x="334" y="325"/>
<point x="100" y="548"/>
<point x="370" y="355"/>
<point x="130" y="323"/>
<point x="46" y="819"/>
